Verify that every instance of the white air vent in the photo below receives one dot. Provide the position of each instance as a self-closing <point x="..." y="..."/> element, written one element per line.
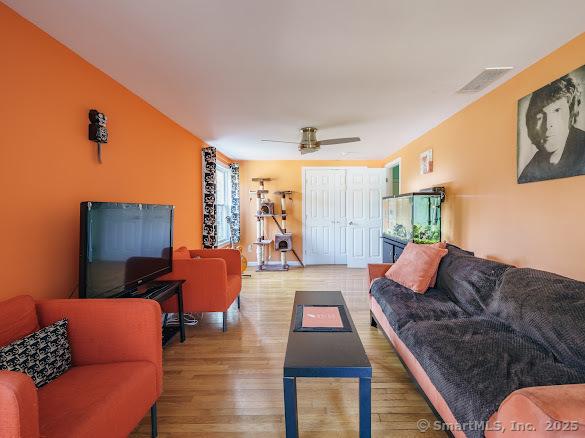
<point x="484" y="79"/>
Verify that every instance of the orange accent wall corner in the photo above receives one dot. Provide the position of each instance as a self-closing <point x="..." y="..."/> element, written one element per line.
<point x="48" y="166"/>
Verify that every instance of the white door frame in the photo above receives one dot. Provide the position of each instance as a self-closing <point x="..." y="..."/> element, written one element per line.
<point x="394" y="163"/>
<point x="303" y="176"/>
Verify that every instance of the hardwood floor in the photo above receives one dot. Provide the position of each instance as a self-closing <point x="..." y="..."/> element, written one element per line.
<point x="230" y="384"/>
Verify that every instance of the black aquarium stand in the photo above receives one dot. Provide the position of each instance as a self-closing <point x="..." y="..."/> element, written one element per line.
<point x="161" y="291"/>
<point x="391" y="249"/>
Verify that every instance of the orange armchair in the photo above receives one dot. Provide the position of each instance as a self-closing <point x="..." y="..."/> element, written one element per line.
<point x="116" y="373"/>
<point x="214" y="280"/>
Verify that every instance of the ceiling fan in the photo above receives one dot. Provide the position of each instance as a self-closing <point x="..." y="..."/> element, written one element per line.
<point x="309" y="142"/>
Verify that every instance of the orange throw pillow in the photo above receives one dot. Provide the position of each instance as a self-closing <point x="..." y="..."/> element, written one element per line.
<point x="442" y="245"/>
<point x="182" y="253"/>
<point x="416" y="266"/>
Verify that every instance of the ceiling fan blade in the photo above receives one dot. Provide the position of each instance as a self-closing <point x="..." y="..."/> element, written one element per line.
<point x="280" y="141"/>
<point x="338" y="140"/>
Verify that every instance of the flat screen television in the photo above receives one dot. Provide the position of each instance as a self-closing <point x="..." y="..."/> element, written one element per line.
<point x="123" y="246"/>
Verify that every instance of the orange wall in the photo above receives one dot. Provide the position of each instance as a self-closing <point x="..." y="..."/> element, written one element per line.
<point x="287" y="176"/>
<point x="537" y="224"/>
<point x="48" y="166"/>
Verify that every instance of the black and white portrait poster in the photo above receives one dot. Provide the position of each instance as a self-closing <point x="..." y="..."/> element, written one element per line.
<point x="551" y="130"/>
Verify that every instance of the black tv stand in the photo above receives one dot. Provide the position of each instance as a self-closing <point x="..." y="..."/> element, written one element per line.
<point x="161" y="291"/>
<point x="149" y="289"/>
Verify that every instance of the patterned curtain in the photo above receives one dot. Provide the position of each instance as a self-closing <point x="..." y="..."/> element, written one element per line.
<point x="209" y="208"/>
<point x="235" y="213"/>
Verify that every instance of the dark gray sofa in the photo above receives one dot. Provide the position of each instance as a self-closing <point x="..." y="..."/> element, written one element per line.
<point x="485" y="331"/>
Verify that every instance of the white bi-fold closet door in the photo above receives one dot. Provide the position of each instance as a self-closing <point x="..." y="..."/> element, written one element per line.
<point x="324" y="218"/>
<point x="342" y="215"/>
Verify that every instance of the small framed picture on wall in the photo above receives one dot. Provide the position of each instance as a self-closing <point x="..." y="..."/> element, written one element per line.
<point x="426" y="162"/>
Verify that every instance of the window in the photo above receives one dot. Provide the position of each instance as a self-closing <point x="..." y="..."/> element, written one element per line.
<point x="223" y="198"/>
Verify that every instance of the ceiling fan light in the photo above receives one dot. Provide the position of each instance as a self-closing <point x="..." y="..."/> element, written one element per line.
<point x="308" y="150"/>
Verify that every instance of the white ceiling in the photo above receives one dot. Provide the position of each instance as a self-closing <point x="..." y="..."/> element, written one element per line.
<point x="236" y="71"/>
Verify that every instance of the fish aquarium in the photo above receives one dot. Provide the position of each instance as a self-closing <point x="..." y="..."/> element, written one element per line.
<point x="413" y="217"/>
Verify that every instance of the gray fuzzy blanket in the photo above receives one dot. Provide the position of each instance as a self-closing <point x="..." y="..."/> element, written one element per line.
<point x="489" y="329"/>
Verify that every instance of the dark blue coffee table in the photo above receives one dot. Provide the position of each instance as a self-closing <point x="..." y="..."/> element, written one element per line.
<point x="325" y="354"/>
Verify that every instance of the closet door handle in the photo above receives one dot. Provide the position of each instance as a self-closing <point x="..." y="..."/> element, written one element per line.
<point x="351" y="223"/>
